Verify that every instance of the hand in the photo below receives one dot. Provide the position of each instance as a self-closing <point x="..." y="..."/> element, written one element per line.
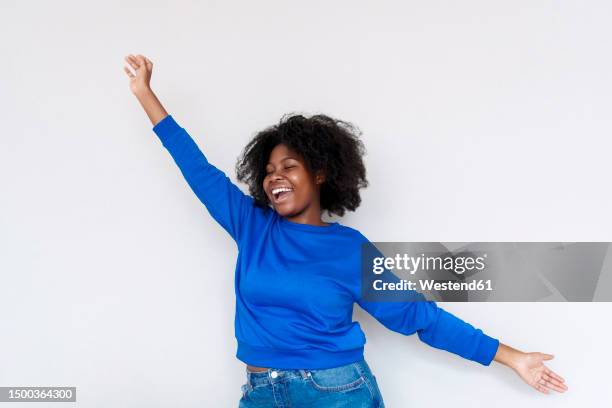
<point x="140" y="85"/>
<point x="141" y="78"/>
<point x="530" y="367"/>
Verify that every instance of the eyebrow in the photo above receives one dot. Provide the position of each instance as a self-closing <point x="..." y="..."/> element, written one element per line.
<point x="283" y="159"/>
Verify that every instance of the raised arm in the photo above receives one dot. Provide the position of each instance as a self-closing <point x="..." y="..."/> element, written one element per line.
<point x="227" y="204"/>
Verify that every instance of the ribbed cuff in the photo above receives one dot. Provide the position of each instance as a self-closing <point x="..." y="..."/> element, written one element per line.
<point x="166" y="128"/>
<point x="486" y="350"/>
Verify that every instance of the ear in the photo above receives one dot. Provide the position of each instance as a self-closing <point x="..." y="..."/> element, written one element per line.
<point x="320" y="177"/>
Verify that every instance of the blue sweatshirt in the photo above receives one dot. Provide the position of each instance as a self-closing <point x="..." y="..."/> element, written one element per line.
<point x="296" y="284"/>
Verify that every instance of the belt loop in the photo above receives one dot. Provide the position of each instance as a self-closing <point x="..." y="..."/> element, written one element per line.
<point x="249" y="381"/>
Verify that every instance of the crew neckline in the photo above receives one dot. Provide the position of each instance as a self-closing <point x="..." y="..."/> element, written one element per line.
<point x="307" y="227"/>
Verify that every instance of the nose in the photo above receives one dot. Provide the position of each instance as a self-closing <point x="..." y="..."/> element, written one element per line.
<point x="273" y="178"/>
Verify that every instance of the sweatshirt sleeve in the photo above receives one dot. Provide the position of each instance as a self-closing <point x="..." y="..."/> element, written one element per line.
<point x="410" y="313"/>
<point x="225" y="202"/>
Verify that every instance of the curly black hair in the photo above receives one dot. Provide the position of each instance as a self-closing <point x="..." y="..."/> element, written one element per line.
<point x="325" y="143"/>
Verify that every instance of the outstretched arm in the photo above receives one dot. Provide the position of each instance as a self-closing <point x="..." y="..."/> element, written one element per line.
<point x="443" y="330"/>
<point x="408" y="312"/>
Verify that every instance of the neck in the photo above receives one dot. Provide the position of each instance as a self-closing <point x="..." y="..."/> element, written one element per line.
<point x="311" y="216"/>
<point x="298" y="220"/>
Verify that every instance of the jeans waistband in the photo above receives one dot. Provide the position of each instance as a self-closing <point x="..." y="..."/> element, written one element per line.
<point x="274" y="375"/>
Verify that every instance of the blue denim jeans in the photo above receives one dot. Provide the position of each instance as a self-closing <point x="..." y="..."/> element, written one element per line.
<point x="352" y="385"/>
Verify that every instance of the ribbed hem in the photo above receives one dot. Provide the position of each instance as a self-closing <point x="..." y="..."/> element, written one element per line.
<point x="486" y="350"/>
<point x="313" y="359"/>
<point x="166" y="128"/>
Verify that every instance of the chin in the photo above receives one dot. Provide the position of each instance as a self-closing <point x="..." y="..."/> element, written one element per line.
<point x="285" y="212"/>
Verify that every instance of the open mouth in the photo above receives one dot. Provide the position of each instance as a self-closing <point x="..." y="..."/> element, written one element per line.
<point x="281" y="193"/>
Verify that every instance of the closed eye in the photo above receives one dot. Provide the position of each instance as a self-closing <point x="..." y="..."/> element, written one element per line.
<point x="286" y="168"/>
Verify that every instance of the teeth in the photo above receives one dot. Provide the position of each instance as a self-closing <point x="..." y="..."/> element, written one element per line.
<point x="280" y="190"/>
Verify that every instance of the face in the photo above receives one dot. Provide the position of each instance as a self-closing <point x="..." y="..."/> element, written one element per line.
<point x="289" y="185"/>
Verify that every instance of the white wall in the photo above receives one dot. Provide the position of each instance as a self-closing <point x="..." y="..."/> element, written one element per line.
<point x="483" y="120"/>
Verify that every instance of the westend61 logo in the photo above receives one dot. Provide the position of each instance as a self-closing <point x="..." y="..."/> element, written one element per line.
<point x="412" y="264"/>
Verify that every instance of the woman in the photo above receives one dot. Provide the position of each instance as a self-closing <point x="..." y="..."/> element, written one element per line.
<point x="297" y="277"/>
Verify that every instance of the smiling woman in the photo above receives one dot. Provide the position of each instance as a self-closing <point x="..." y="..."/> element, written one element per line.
<point x="297" y="278"/>
<point x="316" y="163"/>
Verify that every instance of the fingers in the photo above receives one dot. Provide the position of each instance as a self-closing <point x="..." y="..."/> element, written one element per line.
<point x="541" y="388"/>
<point x="130" y="59"/>
<point x="128" y="72"/>
<point x="553" y="383"/>
<point x="141" y="60"/>
<point x="547" y="382"/>
<point x="542" y="383"/>
<point x="553" y="374"/>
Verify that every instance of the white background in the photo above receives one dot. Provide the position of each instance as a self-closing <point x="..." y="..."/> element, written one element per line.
<point x="483" y="121"/>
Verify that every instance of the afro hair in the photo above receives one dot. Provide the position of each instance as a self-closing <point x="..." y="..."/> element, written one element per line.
<point x="326" y="144"/>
